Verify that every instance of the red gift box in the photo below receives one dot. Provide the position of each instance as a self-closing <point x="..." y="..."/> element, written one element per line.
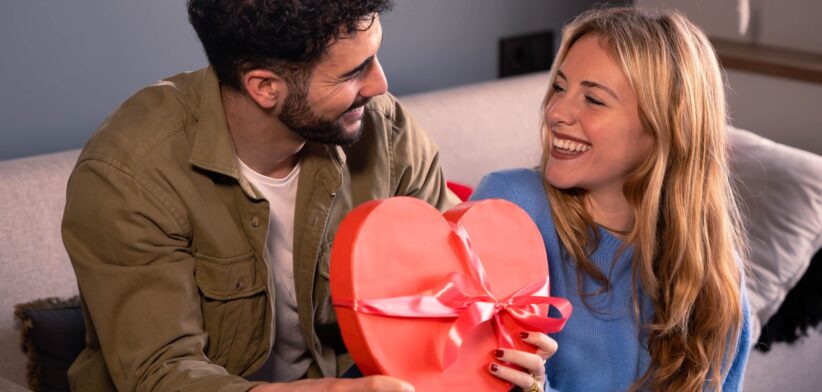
<point x="427" y="297"/>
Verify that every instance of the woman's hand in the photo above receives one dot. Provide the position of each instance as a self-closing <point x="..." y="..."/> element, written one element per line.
<point x="532" y="379"/>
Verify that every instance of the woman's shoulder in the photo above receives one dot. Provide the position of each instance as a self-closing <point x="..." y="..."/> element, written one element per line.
<point x="510" y="184"/>
<point x="522" y="187"/>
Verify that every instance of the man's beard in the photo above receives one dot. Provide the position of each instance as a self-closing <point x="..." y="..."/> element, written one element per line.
<point x="298" y="116"/>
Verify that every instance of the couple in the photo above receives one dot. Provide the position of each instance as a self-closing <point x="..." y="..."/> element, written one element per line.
<point x="200" y="213"/>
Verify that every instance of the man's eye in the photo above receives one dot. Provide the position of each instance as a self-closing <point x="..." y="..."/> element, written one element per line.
<point x="352" y="76"/>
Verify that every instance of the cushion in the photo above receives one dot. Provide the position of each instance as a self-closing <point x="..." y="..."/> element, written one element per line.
<point x="780" y="188"/>
<point x="462" y="191"/>
<point x="53" y="334"/>
<point x="800" y="312"/>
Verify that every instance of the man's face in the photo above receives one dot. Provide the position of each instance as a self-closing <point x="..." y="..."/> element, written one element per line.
<point x="328" y="108"/>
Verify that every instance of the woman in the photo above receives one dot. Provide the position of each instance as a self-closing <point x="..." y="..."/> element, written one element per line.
<point x="634" y="203"/>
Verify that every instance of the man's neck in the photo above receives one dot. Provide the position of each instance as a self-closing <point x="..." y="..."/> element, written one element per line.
<point x="261" y="141"/>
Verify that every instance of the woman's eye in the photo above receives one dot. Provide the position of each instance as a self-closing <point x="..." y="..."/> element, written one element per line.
<point x="558" y="88"/>
<point x="594" y="101"/>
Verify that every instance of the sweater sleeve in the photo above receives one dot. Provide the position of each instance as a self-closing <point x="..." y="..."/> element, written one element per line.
<point x="736" y="373"/>
<point x="493" y="186"/>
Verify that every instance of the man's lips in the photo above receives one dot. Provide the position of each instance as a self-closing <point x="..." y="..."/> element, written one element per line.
<point x="353" y="114"/>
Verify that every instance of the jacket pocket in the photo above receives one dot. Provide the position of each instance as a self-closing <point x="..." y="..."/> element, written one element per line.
<point x="234" y="309"/>
<point x="228" y="278"/>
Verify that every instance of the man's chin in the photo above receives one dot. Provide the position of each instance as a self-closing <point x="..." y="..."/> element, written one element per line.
<point x="350" y="134"/>
<point x="340" y="132"/>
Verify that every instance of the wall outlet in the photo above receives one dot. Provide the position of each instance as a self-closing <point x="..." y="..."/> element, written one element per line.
<point x="526" y="53"/>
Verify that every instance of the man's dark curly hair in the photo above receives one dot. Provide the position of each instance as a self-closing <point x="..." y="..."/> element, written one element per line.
<point x="283" y="35"/>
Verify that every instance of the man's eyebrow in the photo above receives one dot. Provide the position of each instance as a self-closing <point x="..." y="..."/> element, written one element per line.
<point x="358" y="69"/>
<point x="362" y="65"/>
<point x="590" y="84"/>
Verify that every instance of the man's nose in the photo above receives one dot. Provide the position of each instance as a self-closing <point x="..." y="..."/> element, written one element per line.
<point x="375" y="82"/>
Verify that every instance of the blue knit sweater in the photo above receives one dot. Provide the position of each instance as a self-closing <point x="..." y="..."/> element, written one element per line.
<point x="601" y="347"/>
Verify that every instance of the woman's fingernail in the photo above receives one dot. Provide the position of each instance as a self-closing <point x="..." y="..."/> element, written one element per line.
<point x="494" y="367"/>
<point x="498" y="353"/>
<point x="524" y="335"/>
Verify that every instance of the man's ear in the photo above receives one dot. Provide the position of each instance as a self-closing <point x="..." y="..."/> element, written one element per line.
<point x="265" y="87"/>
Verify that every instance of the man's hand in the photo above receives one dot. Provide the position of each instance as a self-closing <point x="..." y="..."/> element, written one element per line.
<point x="365" y="384"/>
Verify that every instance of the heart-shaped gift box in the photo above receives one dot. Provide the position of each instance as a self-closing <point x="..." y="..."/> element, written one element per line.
<point x="427" y="297"/>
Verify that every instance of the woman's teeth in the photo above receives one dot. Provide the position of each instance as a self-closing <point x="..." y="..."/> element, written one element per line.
<point x="570" y="147"/>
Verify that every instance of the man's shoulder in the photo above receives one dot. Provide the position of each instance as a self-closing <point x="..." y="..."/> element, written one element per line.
<point x="387" y="109"/>
<point x="385" y="106"/>
<point x="387" y="118"/>
<point x="153" y="115"/>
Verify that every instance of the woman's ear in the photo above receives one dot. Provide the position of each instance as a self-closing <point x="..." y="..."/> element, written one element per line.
<point x="265" y="87"/>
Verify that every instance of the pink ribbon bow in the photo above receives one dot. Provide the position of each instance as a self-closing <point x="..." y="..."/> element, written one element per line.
<point x="455" y="300"/>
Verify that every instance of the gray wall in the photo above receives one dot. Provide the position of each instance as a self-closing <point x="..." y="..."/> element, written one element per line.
<point x="780" y="109"/>
<point x="431" y="44"/>
<point x="65" y="65"/>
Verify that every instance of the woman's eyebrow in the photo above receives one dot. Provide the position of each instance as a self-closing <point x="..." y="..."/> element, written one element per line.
<point x="588" y="83"/>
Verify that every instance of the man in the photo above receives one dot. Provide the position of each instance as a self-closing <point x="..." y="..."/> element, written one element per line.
<point x="200" y="216"/>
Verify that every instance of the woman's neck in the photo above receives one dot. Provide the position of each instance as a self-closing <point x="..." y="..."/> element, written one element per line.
<point x="611" y="211"/>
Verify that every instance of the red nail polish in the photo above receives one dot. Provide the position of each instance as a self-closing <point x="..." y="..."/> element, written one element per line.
<point x="498" y="353"/>
<point x="494" y="367"/>
<point x="523" y="335"/>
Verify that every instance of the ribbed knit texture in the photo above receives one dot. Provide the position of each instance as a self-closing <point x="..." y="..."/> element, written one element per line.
<point x="601" y="347"/>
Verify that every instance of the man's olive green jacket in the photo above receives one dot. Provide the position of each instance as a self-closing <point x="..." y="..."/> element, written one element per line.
<point x="167" y="238"/>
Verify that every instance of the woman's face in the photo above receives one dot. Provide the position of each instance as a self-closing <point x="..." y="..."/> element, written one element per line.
<point x="595" y="135"/>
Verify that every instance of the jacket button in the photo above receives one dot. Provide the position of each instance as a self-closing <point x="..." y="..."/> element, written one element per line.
<point x="240" y="284"/>
<point x="255" y="221"/>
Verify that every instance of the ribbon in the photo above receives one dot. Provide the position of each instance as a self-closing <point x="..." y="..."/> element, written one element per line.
<point x="456" y="300"/>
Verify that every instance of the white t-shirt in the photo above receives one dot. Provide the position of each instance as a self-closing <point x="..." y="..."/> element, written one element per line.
<point x="289" y="359"/>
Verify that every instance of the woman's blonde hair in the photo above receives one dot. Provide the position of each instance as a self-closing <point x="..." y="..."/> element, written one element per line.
<point x="686" y="233"/>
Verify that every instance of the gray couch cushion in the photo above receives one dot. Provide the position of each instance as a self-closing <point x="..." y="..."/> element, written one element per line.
<point x="33" y="262"/>
<point x="781" y="190"/>
<point x="483" y="127"/>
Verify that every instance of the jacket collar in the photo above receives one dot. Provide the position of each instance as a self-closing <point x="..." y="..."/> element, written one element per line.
<point x="212" y="148"/>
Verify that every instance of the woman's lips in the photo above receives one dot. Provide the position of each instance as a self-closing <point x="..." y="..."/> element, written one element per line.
<point x="568" y="147"/>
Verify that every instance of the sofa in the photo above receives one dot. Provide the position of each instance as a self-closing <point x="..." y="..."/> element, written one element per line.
<point x="479" y="128"/>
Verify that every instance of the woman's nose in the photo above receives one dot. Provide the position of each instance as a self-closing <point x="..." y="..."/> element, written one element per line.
<point x="559" y="111"/>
